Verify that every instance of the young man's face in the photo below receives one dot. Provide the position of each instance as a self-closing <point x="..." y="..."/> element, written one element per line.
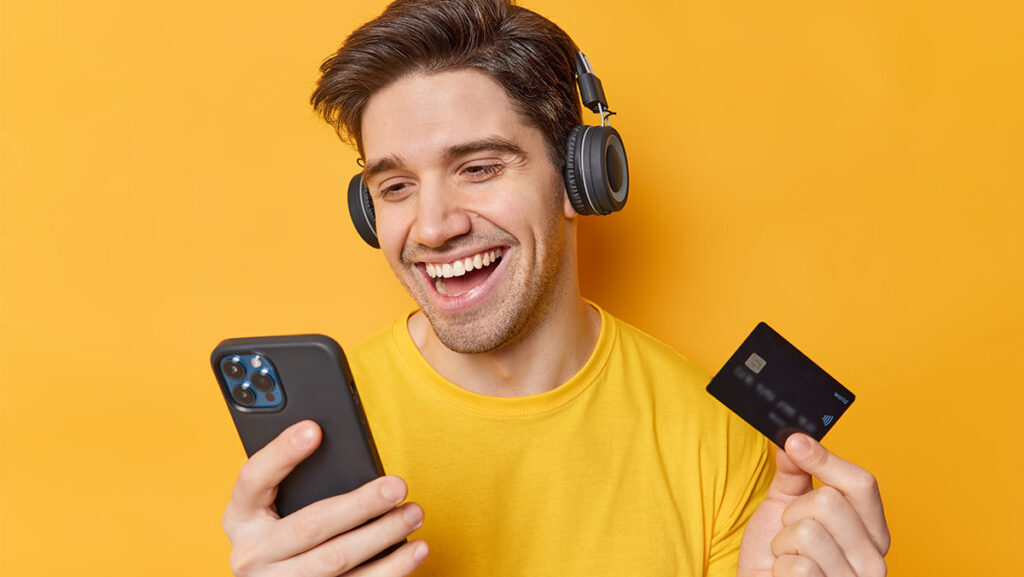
<point x="459" y="182"/>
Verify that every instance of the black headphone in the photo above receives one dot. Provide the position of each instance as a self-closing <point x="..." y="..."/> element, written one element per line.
<point x="596" y="172"/>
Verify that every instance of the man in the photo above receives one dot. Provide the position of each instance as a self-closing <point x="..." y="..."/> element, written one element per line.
<point x="539" y="434"/>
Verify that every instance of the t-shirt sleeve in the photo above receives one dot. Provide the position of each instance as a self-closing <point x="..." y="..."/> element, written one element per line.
<point x="750" y="467"/>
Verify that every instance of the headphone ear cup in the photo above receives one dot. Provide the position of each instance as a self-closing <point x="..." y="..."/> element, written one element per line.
<point x="360" y="208"/>
<point x="572" y="170"/>
<point x="596" y="170"/>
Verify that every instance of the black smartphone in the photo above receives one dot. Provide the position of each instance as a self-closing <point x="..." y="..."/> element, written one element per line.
<point x="271" y="383"/>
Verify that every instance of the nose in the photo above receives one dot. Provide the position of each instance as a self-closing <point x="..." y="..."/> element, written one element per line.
<point x="440" y="215"/>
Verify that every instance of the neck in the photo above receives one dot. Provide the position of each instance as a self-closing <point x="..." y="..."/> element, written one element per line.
<point x="550" y="353"/>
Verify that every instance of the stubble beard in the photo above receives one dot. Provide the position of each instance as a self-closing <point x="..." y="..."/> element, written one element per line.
<point x="528" y="298"/>
<point x="514" y="317"/>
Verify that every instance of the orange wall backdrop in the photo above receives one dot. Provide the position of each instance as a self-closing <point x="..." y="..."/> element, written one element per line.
<point x="850" y="172"/>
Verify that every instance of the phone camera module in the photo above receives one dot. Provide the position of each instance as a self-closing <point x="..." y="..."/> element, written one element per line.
<point x="234" y="369"/>
<point x="250" y="382"/>
<point x="263" y="382"/>
<point x="243" y="395"/>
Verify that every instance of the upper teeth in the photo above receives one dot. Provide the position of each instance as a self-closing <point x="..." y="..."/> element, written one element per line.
<point x="462" y="266"/>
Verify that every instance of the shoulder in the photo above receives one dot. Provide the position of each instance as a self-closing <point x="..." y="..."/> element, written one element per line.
<point x="652" y="357"/>
<point x="677" y="388"/>
<point x="380" y="351"/>
<point x="377" y="344"/>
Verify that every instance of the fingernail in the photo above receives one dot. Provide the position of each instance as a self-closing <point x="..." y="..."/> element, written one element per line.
<point x="420" y="553"/>
<point x="798" y="446"/>
<point x="303" y="438"/>
<point x="413" y="516"/>
<point x="391" y="489"/>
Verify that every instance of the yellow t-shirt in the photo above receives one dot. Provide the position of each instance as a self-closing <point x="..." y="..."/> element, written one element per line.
<point x="628" y="468"/>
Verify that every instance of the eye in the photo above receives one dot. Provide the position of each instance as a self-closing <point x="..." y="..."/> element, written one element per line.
<point x="394" y="191"/>
<point x="482" y="171"/>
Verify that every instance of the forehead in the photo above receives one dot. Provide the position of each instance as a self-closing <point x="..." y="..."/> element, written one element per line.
<point x="420" y="115"/>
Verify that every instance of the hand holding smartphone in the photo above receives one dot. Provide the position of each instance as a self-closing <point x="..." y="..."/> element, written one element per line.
<point x="312" y="497"/>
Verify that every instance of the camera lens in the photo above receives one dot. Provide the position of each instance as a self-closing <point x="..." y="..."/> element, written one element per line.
<point x="234" y="370"/>
<point x="243" y="395"/>
<point x="262" y="382"/>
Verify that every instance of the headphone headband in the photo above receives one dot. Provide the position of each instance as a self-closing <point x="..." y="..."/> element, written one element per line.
<point x="591" y="91"/>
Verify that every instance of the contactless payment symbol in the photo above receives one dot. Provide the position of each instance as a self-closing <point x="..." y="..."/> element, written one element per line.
<point x="755" y="362"/>
<point x="827" y="420"/>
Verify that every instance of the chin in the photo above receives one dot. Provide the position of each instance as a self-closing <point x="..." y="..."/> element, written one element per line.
<point x="480" y="335"/>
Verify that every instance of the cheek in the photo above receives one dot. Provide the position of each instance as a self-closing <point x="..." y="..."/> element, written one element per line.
<point x="532" y="201"/>
<point x="391" y="234"/>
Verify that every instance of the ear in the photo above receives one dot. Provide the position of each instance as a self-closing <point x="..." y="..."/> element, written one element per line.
<point x="567" y="210"/>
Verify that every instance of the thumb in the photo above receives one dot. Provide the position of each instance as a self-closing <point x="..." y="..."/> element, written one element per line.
<point x="790" y="480"/>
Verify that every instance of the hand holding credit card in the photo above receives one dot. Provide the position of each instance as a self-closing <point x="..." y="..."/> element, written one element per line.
<point x="770" y="384"/>
<point x="779" y="391"/>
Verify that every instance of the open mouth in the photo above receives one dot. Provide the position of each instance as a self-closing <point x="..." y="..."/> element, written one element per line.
<point x="455" y="278"/>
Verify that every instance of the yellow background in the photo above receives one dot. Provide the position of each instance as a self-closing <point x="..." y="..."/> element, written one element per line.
<point x="849" y="172"/>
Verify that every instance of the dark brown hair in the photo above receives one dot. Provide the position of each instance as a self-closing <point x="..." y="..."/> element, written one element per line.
<point x="528" y="55"/>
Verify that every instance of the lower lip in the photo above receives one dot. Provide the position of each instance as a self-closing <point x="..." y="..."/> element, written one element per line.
<point x="470" y="298"/>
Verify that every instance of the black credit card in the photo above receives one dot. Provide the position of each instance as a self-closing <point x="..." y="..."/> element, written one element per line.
<point x="770" y="384"/>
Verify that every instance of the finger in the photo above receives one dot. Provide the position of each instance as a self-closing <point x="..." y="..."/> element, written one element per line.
<point x="795" y="566"/>
<point x="790" y="480"/>
<point x="829" y="507"/>
<point x="256" y="487"/>
<point x="402" y="562"/>
<point x="319" y="521"/>
<point x="808" y="538"/>
<point x="348" y="550"/>
<point x="858" y="485"/>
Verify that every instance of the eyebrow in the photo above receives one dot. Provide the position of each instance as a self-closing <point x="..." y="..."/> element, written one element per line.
<point x="375" y="167"/>
<point x="489" y="143"/>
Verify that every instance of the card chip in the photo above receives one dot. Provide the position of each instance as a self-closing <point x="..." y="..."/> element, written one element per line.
<point x="755" y="363"/>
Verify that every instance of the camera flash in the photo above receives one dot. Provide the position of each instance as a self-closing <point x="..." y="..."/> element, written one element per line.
<point x="256" y="362"/>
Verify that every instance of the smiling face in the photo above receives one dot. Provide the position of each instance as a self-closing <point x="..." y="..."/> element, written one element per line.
<point x="471" y="213"/>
